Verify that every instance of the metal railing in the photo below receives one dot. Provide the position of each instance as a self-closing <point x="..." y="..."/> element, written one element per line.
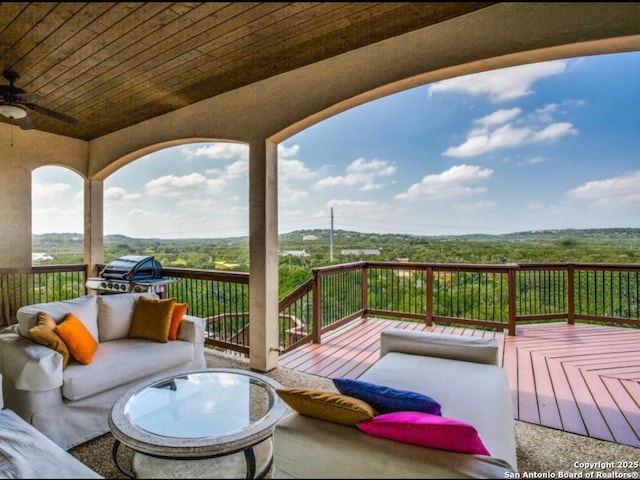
<point x="34" y="285"/>
<point x="478" y="296"/>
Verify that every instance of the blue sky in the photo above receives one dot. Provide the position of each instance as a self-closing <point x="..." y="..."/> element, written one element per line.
<point x="544" y="146"/>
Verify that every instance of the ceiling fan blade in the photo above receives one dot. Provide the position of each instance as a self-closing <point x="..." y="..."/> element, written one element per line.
<point x="51" y="113"/>
<point x="24" y="123"/>
<point x="25" y="97"/>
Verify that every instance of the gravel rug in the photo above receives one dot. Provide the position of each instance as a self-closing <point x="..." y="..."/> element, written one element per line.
<point x="542" y="452"/>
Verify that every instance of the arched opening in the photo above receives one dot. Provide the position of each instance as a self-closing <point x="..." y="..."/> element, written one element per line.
<point x="57" y="216"/>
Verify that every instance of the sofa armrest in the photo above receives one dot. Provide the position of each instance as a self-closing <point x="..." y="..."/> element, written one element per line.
<point x="455" y="347"/>
<point x="29" y="365"/>
<point x="191" y="329"/>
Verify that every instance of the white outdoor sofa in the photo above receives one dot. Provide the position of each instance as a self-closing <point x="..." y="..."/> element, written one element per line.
<point x="72" y="405"/>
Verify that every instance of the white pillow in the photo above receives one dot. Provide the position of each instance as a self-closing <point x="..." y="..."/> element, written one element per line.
<point x="85" y="308"/>
<point x="115" y="313"/>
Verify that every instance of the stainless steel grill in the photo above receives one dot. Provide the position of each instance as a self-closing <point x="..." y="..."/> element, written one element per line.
<point x="130" y="273"/>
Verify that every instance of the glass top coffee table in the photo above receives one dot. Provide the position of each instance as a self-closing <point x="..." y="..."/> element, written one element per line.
<point x="207" y="423"/>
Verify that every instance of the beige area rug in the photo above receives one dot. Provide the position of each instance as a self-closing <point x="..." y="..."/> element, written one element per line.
<point x="542" y="452"/>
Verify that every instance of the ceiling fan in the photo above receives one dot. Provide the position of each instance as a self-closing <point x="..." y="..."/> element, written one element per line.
<point x="14" y="103"/>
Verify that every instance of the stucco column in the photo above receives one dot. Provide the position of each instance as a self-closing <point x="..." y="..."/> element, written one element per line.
<point x="263" y="251"/>
<point x="15" y="211"/>
<point x="93" y="224"/>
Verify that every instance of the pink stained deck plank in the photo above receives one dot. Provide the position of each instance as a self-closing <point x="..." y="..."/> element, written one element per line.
<point x="546" y="398"/>
<point x="570" y="414"/>
<point x="587" y="404"/>
<point x="510" y="365"/>
<point x="527" y="399"/>
<point x="622" y="413"/>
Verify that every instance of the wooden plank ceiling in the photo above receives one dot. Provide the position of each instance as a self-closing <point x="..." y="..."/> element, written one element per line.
<point x="114" y="64"/>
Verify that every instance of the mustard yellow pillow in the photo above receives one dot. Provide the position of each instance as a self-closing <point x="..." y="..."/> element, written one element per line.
<point x="79" y="340"/>
<point x="152" y="319"/>
<point x="43" y="332"/>
<point x="327" y="406"/>
<point x="179" y="309"/>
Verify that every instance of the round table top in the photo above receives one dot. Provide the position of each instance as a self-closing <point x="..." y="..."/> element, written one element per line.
<point x="199" y="413"/>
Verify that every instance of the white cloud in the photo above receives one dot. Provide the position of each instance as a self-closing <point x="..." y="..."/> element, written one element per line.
<point x="219" y="150"/>
<point x="53" y="190"/>
<point x="293" y="170"/>
<point x="174" y="186"/>
<point x="485" y="138"/>
<point x="617" y="191"/>
<point x="237" y="169"/>
<point x="554" y="132"/>
<point x="361" y="174"/>
<point x="351" y="203"/>
<point x="452" y="183"/>
<point x="119" y="193"/>
<point x="480" y="142"/>
<point x="500" y="85"/>
<point x="288" y="151"/>
<point x="499" y="117"/>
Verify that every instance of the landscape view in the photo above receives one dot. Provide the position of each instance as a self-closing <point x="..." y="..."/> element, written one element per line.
<point x="302" y="250"/>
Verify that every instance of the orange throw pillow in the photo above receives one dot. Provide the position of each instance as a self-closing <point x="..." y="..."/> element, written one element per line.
<point x="179" y="309"/>
<point x="79" y="340"/>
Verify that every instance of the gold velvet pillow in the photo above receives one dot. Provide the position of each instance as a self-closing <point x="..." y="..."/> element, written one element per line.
<point x="43" y="332"/>
<point x="179" y="309"/>
<point x="79" y="340"/>
<point x="152" y="319"/>
<point x="327" y="406"/>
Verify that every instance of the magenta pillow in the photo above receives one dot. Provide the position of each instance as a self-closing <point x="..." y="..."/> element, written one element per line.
<point x="425" y="429"/>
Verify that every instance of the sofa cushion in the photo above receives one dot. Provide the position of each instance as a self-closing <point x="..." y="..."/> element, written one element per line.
<point x="386" y="399"/>
<point x="79" y="340"/>
<point x="118" y="362"/>
<point x="327" y="406"/>
<point x="85" y="308"/>
<point x="44" y="334"/>
<point x="115" y="313"/>
<point x="427" y="430"/>
<point x="152" y="319"/>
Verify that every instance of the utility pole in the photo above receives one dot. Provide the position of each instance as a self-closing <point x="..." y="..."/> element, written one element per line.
<point x="331" y="238"/>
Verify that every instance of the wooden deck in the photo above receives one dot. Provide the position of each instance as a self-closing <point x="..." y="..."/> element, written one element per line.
<point x="583" y="379"/>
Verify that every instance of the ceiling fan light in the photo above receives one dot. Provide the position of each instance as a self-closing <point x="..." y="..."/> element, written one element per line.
<point x="12" y="111"/>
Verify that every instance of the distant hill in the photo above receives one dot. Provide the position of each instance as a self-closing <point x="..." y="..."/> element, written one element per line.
<point x="615" y="245"/>
<point x="57" y="239"/>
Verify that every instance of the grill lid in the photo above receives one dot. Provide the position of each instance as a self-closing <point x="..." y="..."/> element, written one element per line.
<point x="132" y="268"/>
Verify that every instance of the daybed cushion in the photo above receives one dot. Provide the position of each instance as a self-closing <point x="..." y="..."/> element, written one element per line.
<point x="478" y="394"/>
<point x="27" y="453"/>
<point x="454" y="347"/>
<point x="310" y="448"/>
